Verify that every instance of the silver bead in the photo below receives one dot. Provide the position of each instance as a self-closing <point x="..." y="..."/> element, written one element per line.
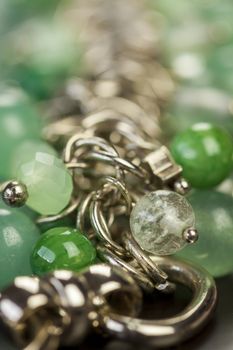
<point x="113" y="289"/>
<point x="190" y="235"/>
<point x="29" y="314"/>
<point x="181" y="186"/>
<point x="15" y="194"/>
<point x="71" y="294"/>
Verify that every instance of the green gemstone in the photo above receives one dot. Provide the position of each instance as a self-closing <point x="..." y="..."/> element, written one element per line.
<point x="205" y="153"/>
<point x="52" y="53"/>
<point x="18" y="122"/>
<point x="18" y="235"/>
<point x="214" y="221"/>
<point x="48" y="182"/>
<point x="62" y="248"/>
<point x="27" y="151"/>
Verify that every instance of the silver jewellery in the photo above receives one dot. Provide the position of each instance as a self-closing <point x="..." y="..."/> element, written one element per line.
<point x="128" y="199"/>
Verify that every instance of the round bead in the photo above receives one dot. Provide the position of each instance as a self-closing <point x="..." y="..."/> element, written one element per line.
<point x="62" y="248"/>
<point x="27" y="151"/>
<point x="159" y="220"/>
<point x="214" y="247"/>
<point x="48" y="182"/>
<point x="18" y="235"/>
<point x="50" y="56"/>
<point x="205" y="153"/>
<point x="18" y="121"/>
<point x="15" y="194"/>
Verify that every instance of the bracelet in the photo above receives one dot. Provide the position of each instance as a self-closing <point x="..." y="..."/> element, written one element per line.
<point x="109" y="196"/>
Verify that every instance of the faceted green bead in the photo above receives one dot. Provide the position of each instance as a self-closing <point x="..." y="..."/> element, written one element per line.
<point x="62" y="248"/>
<point x="18" y="122"/>
<point x="27" y="151"/>
<point x="18" y="235"/>
<point x="214" y="222"/>
<point x="205" y="153"/>
<point x="48" y="182"/>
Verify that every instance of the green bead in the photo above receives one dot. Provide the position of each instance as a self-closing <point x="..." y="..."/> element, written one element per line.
<point x="205" y="153"/>
<point x="62" y="248"/>
<point x="214" y="222"/>
<point x="51" y="55"/>
<point x="18" y="235"/>
<point x="27" y="151"/>
<point x="18" y="122"/>
<point x="48" y="182"/>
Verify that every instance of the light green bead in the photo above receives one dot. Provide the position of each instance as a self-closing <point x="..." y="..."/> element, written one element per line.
<point x="26" y="152"/>
<point x="214" y="221"/>
<point x="18" y="235"/>
<point x="48" y="182"/>
<point x="18" y="122"/>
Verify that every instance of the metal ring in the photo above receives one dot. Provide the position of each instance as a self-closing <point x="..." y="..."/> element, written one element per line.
<point x="170" y="331"/>
<point x="108" y="256"/>
<point x="108" y="152"/>
<point x="155" y="274"/>
<point x="98" y="221"/>
<point x="112" y="289"/>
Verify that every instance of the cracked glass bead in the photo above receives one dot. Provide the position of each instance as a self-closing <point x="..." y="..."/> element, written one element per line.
<point x="158" y="222"/>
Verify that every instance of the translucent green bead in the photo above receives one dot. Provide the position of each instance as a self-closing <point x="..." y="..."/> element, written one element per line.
<point x="27" y="151"/>
<point x="18" y="235"/>
<point x="48" y="182"/>
<point x="214" y="221"/>
<point x="205" y="153"/>
<point x="18" y="122"/>
<point x="62" y="248"/>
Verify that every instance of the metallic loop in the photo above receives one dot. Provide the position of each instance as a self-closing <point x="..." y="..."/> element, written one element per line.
<point x="97" y="219"/>
<point x="66" y="212"/>
<point x="107" y="255"/>
<point x="113" y="289"/>
<point x="158" y="276"/>
<point x="170" y="331"/>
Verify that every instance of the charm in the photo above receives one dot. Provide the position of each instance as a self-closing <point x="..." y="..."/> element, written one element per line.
<point x="161" y="222"/>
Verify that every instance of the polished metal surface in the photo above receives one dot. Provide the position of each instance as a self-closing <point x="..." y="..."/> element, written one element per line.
<point x="14" y="193"/>
<point x="61" y="307"/>
<point x="170" y="331"/>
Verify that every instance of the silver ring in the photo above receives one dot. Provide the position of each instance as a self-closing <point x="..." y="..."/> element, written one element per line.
<point x="170" y="331"/>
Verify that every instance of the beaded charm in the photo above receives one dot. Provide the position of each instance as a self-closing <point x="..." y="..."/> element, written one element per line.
<point x="161" y="222"/>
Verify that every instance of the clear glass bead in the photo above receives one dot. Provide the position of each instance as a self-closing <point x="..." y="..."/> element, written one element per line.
<point x="159" y="220"/>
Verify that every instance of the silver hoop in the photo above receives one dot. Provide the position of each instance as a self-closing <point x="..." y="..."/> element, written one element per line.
<point x="170" y="331"/>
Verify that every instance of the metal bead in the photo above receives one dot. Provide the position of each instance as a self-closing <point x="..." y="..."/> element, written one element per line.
<point x="190" y="235"/>
<point x="71" y="293"/>
<point x="114" y="288"/>
<point x="181" y="186"/>
<point x="15" y="194"/>
<point x="29" y="314"/>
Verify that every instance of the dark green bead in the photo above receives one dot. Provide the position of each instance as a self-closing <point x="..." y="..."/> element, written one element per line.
<point x="214" y="222"/>
<point x="62" y="248"/>
<point x="205" y="153"/>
